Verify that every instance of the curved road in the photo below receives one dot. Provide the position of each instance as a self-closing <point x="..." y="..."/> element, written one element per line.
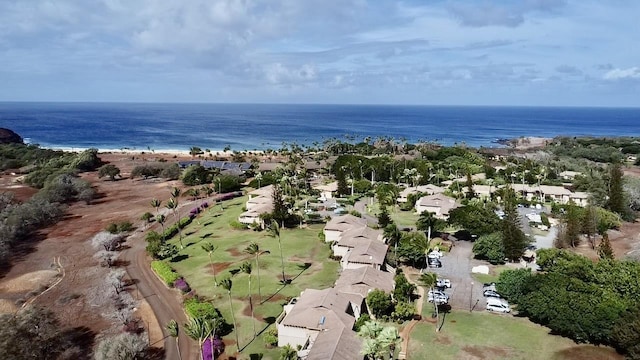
<point x="165" y="303"/>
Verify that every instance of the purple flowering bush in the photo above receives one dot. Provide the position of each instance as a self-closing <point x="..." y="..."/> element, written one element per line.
<point x="218" y="348"/>
<point x="204" y="205"/>
<point x="182" y="285"/>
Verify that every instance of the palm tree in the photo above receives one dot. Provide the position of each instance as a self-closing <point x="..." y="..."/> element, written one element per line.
<point x="198" y="329"/>
<point x="172" y="205"/>
<point x="245" y="267"/>
<point x="288" y="353"/>
<point x="274" y="230"/>
<point x="173" y="328"/>
<point x="393" y="236"/>
<point x="254" y="249"/>
<point x="429" y="280"/>
<point x="388" y="338"/>
<point x="175" y="192"/>
<point x="227" y="284"/>
<point x="210" y="248"/>
<point x="161" y="220"/>
<point x="156" y="204"/>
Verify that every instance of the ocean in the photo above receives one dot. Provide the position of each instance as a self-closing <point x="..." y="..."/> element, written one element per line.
<point x="262" y="126"/>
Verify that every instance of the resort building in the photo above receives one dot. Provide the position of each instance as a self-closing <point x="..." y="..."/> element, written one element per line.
<point x="428" y="189"/>
<point x="367" y="253"/>
<point x="327" y="190"/>
<point x="438" y="204"/>
<point x="321" y="317"/>
<point x="354" y="236"/>
<point x="339" y="224"/>
<point x="363" y="280"/>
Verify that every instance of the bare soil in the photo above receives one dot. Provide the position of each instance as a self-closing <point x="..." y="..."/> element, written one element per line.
<point x="124" y="199"/>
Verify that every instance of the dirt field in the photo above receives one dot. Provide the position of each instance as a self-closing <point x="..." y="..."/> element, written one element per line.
<point x="34" y="269"/>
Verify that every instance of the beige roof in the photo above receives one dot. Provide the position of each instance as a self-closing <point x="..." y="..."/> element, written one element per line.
<point x="445" y="203"/>
<point x="362" y="280"/>
<point x="579" y="195"/>
<point x="263" y="191"/>
<point x="345" y="222"/>
<point x="260" y="200"/>
<point x="336" y="344"/>
<point x="428" y="189"/>
<point x="545" y="189"/>
<point x="320" y="309"/>
<point x="353" y="236"/>
<point x="333" y="186"/>
<point x="367" y="252"/>
<point x="257" y="210"/>
<point x="474" y="177"/>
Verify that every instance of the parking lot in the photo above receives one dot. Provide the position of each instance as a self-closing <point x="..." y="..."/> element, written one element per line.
<point x="465" y="293"/>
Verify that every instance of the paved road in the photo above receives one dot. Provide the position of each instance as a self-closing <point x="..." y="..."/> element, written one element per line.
<point x="465" y="292"/>
<point x="163" y="301"/>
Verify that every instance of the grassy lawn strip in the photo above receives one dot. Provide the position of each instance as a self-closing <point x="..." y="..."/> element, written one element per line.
<point x="492" y="336"/>
<point x="165" y="272"/>
<point x="306" y="263"/>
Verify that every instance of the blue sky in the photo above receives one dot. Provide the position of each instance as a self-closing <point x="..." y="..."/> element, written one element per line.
<point x="467" y="52"/>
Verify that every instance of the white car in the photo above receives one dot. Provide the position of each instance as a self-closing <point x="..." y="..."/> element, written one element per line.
<point x="443" y="283"/>
<point x="439" y="299"/>
<point x="498" y="305"/>
<point x="438" y="296"/>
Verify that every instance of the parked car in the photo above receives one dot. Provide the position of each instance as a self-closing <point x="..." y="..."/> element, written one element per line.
<point x="436" y="292"/>
<point x="489" y="286"/>
<point x="434" y="263"/>
<point x="491" y="293"/>
<point x="443" y="283"/>
<point x="439" y="300"/>
<point x="498" y="305"/>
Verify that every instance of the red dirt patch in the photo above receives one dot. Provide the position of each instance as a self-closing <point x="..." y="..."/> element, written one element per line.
<point x="234" y="252"/>
<point x="442" y="339"/>
<point x="485" y="352"/>
<point x="218" y="266"/>
<point x="588" y="352"/>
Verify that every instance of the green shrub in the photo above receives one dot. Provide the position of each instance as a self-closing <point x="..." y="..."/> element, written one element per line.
<point x="271" y="337"/>
<point x="112" y="228"/>
<point x="196" y="308"/>
<point x="235" y="224"/>
<point x="361" y="320"/>
<point x="165" y="272"/>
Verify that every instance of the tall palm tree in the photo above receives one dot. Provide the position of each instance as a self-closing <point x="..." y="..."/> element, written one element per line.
<point x="429" y="280"/>
<point x="198" y="329"/>
<point x="245" y="267"/>
<point x="227" y="284"/>
<point x="274" y="230"/>
<point x="393" y="236"/>
<point x="210" y="248"/>
<point x="172" y="205"/>
<point x="175" y="192"/>
<point x="254" y="249"/>
<point x="161" y="220"/>
<point x="174" y="329"/>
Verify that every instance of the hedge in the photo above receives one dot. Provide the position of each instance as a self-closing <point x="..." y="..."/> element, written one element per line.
<point x="165" y="272"/>
<point x="198" y="309"/>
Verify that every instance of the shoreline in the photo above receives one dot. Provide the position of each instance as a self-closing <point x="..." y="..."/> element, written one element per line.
<point x="519" y="143"/>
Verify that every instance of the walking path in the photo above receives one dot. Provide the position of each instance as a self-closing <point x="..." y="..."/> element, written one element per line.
<point x="406" y="332"/>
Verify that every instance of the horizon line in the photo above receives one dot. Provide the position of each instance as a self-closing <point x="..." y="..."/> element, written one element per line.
<point x="317" y="104"/>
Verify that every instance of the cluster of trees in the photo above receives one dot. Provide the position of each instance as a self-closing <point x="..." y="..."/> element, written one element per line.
<point x="35" y="333"/>
<point x="509" y="242"/>
<point x="577" y="298"/>
<point x="55" y="175"/>
<point x="398" y="305"/>
<point x="169" y="171"/>
<point x="604" y="150"/>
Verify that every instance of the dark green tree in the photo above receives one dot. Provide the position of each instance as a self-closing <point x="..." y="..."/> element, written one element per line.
<point x="616" y="202"/>
<point x="470" y="192"/>
<point x="512" y="284"/>
<point x="490" y="247"/>
<point x="605" y="251"/>
<point x="379" y="303"/>
<point x="428" y="222"/>
<point x="513" y="239"/>
<point x="403" y="290"/>
<point x="383" y="217"/>
<point x="109" y="170"/>
<point x="476" y="219"/>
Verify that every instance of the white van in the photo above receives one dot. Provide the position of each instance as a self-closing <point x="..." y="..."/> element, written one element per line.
<point x="498" y="305"/>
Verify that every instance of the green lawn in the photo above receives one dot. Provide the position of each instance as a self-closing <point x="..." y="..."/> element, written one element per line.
<point x="306" y="261"/>
<point x="483" y="335"/>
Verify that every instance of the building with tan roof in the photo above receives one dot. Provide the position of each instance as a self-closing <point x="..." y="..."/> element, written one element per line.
<point x="353" y="237"/>
<point x="371" y="253"/>
<point x="339" y="224"/>
<point x="362" y="280"/>
<point x="438" y="204"/>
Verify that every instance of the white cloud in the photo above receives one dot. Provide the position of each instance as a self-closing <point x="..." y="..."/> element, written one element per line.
<point x="622" y="74"/>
